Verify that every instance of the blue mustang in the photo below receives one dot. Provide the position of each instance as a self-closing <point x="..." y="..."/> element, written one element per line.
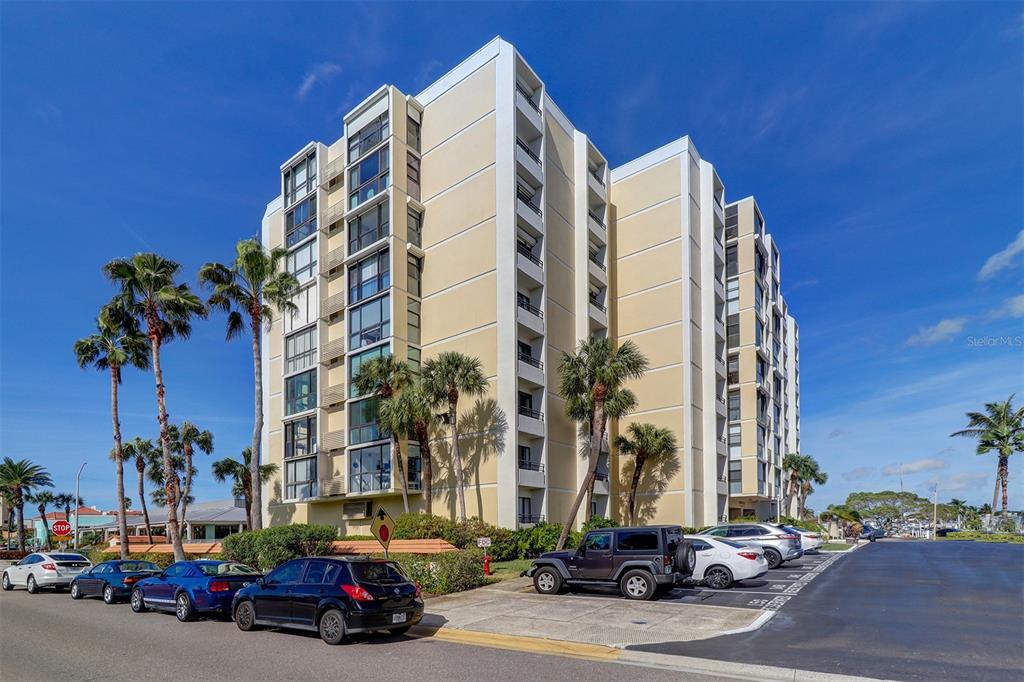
<point x="113" y="580"/>
<point x="191" y="587"/>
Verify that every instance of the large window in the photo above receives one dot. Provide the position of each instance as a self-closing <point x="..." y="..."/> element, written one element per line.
<point x="414" y="467"/>
<point x="300" y="392"/>
<point x="355" y="362"/>
<point x="732" y="330"/>
<point x="300" y="222"/>
<point x="302" y="262"/>
<point x="414" y="321"/>
<point x="300" y="179"/>
<point x="370" y="177"/>
<point x="412" y="284"/>
<point x="412" y="130"/>
<point x="732" y="296"/>
<point x="304" y="312"/>
<point x="735" y="441"/>
<point x="362" y="421"/>
<point x="370" y="134"/>
<point x="370" y="469"/>
<point x="300" y="351"/>
<point x="734" y="405"/>
<point x="735" y="477"/>
<point x="368" y="227"/>
<point x="732" y="266"/>
<point x="414" y="359"/>
<point x="414" y="230"/>
<point x="300" y="478"/>
<point x="412" y="182"/>
<point x="300" y="438"/>
<point x="370" y="323"/>
<point x="369" y="276"/>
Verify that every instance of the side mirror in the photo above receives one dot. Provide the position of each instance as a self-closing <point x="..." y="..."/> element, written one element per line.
<point x="582" y="551"/>
<point x="261" y="582"/>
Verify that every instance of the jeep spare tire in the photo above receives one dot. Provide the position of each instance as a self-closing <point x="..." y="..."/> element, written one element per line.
<point x="686" y="557"/>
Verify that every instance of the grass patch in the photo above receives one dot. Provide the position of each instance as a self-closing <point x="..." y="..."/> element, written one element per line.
<point x="506" y="570"/>
<point x="836" y="547"/>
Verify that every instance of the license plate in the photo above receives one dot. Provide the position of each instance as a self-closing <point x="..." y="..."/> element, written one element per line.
<point x="399" y="618"/>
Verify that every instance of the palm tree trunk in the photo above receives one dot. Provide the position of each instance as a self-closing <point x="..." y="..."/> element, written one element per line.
<point x="256" y="510"/>
<point x="165" y="445"/>
<point x="139" y="465"/>
<point x="634" y="484"/>
<point x="590" y="486"/>
<point x="423" y="438"/>
<point x="1004" y="474"/>
<point x="188" y="483"/>
<point x="20" y="504"/>
<point x="460" y="493"/>
<point x="597" y="425"/>
<point x="122" y="520"/>
<point x="46" y="525"/>
<point x="247" y="496"/>
<point x="399" y="462"/>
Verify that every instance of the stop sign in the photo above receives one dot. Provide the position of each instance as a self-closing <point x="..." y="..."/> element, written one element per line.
<point x="61" y="528"/>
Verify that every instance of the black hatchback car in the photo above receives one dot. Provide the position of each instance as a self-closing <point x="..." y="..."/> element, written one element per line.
<point x="334" y="596"/>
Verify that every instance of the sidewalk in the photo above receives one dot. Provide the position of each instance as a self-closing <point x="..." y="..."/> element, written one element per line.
<point x="513" y="608"/>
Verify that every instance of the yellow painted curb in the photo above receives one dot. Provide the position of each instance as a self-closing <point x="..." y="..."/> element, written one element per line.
<point x="534" y="645"/>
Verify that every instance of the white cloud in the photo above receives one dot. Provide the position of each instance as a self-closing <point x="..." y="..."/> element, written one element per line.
<point x="943" y="331"/>
<point x="915" y="467"/>
<point x="1012" y="307"/>
<point x="858" y="473"/>
<point x="964" y="481"/>
<point x="318" y="73"/>
<point x="1002" y="260"/>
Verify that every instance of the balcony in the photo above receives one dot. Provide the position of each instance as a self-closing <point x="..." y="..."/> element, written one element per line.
<point x="333" y="440"/>
<point x="332" y="487"/>
<point x="334" y="259"/>
<point x="530" y="266"/>
<point x="528" y="212"/>
<point x="720" y="408"/>
<point x="531" y="369"/>
<point x="332" y="350"/>
<point x="531" y="421"/>
<point x="333" y="170"/>
<point x="332" y="395"/>
<point x="723" y="486"/>
<point x="720" y="332"/>
<point x="595" y="183"/>
<point x="530" y="317"/>
<point x="528" y="163"/>
<point x="597" y="270"/>
<point x="597" y="227"/>
<point x="531" y="474"/>
<point x="530" y="519"/>
<point x="720" y="369"/>
<point x="333" y="214"/>
<point x="332" y="305"/>
<point x="719" y="288"/>
<point x="598" y="313"/>
<point x="528" y="110"/>
<point x="602" y="484"/>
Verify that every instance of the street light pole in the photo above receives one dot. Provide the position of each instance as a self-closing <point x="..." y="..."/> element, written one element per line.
<point x="935" y="514"/>
<point x="78" y="481"/>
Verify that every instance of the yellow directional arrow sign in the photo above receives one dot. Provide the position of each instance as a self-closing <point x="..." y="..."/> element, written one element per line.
<point x="383" y="527"/>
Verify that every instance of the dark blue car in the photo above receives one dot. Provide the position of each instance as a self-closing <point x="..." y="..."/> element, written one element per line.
<point x="191" y="587"/>
<point x="112" y="580"/>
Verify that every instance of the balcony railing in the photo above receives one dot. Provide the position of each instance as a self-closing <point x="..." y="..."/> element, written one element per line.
<point x="597" y="261"/>
<point x="332" y="395"/>
<point x="529" y="98"/>
<point x="334" y="303"/>
<point x="529" y="152"/>
<point x="598" y="305"/>
<point x="531" y="518"/>
<point x="531" y="413"/>
<point x="530" y="308"/>
<point x="335" y="257"/>
<point x="530" y="360"/>
<point x="596" y="219"/>
<point x="531" y="466"/>
<point x="528" y="255"/>
<point x="601" y="476"/>
<point x="597" y="176"/>
<point x="334" y="213"/>
<point x="333" y="440"/>
<point x="333" y="170"/>
<point x="527" y="199"/>
<point x="332" y="487"/>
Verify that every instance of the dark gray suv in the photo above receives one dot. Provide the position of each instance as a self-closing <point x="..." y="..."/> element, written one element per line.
<point x="640" y="561"/>
<point x="780" y="543"/>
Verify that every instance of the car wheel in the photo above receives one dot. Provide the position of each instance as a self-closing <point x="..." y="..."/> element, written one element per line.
<point x="31" y="585"/>
<point x="75" y="593"/>
<point x="400" y="631"/>
<point x="245" y="617"/>
<point x="718" y="577"/>
<point x="637" y="584"/>
<point x="686" y="558"/>
<point x="773" y="558"/>
<point x="547" y="581"/>
<point x="7" y="583"/>
<point x="108" y="594"/>
<point x="138" y="603"/>
<point x="332" y="627"/>
<point x="183" y="607"/>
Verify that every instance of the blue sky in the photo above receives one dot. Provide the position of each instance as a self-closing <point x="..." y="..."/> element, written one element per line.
<point x="883" y="143"/>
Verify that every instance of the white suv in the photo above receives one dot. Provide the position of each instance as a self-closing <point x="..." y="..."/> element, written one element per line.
<point x="41" y="569"/>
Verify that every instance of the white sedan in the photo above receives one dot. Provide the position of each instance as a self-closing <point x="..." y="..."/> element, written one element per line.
<point x="722" y="562"/>
<point x="809" y="540"/>
<point x="45" y="569"/>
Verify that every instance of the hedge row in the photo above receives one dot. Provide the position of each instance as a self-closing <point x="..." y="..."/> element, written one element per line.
<point x="444" y="573"/>
<point x="161" y="559"/>
<point x="1012" y="538"/>
<point x="264" y="549"/>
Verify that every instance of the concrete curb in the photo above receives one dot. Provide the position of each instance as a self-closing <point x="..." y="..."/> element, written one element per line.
<point x="741" y="671"/>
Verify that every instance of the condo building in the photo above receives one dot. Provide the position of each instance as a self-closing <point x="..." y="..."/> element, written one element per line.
<point x="475" y="217"/>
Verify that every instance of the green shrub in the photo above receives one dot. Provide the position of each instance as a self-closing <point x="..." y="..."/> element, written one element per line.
<point x="595" y="522"/>
<point x="806" y="524"/>
<point x="264" y="549"/>
<point x="1012" y="538"/>
<point x="690" y="530"/>
<point x="161" y="559"/>
<point x="425" y="527"/>
<point x="444" y="573"/>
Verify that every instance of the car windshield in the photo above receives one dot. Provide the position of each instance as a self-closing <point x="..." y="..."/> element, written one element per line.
<point x="790" y="529"/>
<point x="68" y="557"/>
<point x="799" y="530"/>
<point x="731" y="543"/>
<point x="377" y="572"/>
<point x="226" y="568"/>
<point x="129" y="566"/>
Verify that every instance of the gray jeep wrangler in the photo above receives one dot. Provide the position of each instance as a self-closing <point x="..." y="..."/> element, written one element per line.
<point x="641" y="562"/>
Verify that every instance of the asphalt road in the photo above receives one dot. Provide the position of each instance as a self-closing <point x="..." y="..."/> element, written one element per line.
<point x="914" y="610"/>
<point x="50" y="637"/>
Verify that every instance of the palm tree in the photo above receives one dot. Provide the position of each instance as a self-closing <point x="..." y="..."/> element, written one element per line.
<point x="959" y="508"/>
<point x="142" y="452"/>
<point x="446" y="378"/>
<point x="241" y="475"/>
<point x="384" y="377"/>
<point x="42" y="500"/>
<point x="148" y="288"/>
<point x="66" y="501"/>
<point x="645" y="441"/>
<point x="844" y="517"/>
<point x="117" y="343"/>
<point x="18" y="479"/>
<point x="804" y="473"/>
<point x="250" y="287"/>
<point x="591" y="382"/>
<point x="791" y="464"/>
<point x="187" y="438"/>
<point x="411" y="413"/>
<point x="999" y="429"/>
